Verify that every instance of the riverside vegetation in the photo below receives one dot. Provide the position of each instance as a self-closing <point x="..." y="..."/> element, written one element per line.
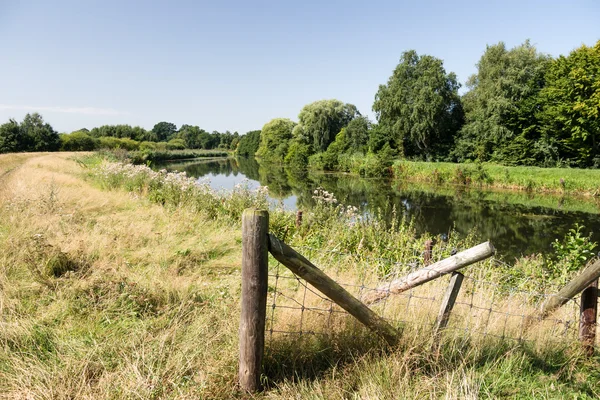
<point x="117" y="281"/>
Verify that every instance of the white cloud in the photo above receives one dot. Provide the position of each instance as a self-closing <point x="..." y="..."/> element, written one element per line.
<point x="68" y="110"/>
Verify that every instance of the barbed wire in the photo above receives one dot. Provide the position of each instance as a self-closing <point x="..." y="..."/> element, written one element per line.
<point x="482" y="308"/>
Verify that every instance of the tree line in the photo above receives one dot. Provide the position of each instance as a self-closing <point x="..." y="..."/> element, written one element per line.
<point x="522" y="107"/>
<point x="34" y="134"/>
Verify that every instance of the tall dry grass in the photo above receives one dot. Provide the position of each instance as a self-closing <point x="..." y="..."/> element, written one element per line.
<point x="108" y="294"/>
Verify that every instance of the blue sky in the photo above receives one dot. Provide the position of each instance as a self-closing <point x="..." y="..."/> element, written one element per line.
<point x="234" y="65"/>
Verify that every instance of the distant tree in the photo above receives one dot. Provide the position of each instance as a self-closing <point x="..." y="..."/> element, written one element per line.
<point x="323" y="119"/>
<point x="78" y="141"/>
<point x="39" y="135"/>
<point x="10" y="137"/>
<point x="191" y="135"/>
<point x="274" y="139"/>
<point x="570" y="115"/>
<point x="419" y="108"/>
<point x="164" y="131"/>
<point x="501" y="104"/>
<point x="249" y="144"/>
<point x="175" y="144"/>
<point x="235" y="141"/>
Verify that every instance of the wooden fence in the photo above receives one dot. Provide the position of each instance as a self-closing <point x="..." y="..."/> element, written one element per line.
<point x="257" y="243"/>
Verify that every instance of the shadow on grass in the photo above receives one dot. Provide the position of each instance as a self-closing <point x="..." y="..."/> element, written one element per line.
<point x="308" y="356"/>
<point x="504" y="368"/>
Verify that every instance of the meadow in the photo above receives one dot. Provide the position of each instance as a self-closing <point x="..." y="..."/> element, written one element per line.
<point x="117" y="281"/>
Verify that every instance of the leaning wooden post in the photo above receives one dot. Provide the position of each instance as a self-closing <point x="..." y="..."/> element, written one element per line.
<point x="448" y="301"/>
<point x="580" y="282"/>
<point x="255" y="255"/>
<point x="433" y="271"/>
<point x="587" y="318"/>
<point x="300" y="266"/>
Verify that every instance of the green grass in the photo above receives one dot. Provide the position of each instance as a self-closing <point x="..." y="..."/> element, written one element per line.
<point x="559" y="180"/>
<point x="117" y="283"/>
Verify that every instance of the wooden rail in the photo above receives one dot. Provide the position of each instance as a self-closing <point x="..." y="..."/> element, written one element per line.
<point x="430" y="272"/>
<point x="313" y="275"/>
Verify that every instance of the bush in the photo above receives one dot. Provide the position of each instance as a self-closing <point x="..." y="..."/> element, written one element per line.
<point x="176" y="144"/>
<point x="298" y="154"/>
<point x="107" y="142"/>
<point x="78" y="141"/>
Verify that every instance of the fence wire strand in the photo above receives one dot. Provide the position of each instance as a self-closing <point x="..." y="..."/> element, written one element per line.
<point x="482" y="308"/>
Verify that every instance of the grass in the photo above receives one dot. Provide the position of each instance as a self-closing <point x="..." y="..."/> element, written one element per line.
<point x="122" y="285"/>
<point x="534" y="179"/>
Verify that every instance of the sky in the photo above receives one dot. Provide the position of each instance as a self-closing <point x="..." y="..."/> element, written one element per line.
<point x="235" y="65"/>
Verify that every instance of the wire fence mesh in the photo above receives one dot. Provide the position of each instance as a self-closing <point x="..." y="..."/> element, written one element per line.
<point x="483" y="308"/>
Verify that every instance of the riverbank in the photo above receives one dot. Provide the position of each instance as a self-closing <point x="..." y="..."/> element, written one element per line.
<point x="117" y="282"/>
<point x="572" y="181"/>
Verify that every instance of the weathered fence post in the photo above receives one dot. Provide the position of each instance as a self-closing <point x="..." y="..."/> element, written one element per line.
<point x="428" y="252"/>
<point x="298" y="219"/>
<point x="587" y="318"/>
<point x="448" y="301"/>
<point x="255" y="228"/>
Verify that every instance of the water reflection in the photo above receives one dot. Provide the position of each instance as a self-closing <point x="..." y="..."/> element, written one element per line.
<point x="517" y="223"/>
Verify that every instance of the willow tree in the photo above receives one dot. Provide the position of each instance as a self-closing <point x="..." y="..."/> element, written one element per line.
<point x="274" y="139"/>
<point x="419" y="108"/>
<point x="322" y="120"/>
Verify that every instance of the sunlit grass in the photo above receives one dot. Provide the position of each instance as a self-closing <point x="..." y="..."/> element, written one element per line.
<point x="118" y="288"/>
<point x="560" y="180"/>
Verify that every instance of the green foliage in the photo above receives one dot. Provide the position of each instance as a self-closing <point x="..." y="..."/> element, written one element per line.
<point x="116" y="143"/>
<point x="357" y="134"/>
<point x="274" y="139"/>
<point x="164" y="131"/>
<point x="298" y="154"/>
<point x="78" y="141"/>
<point x="176" y="144"/>
<point x="500" y="107"/>
<point x="122" y="131"/>
<point x="419" y="108"/>
<point x="33" y="134"/>
<point x="322" y="120"/>
<point x="570" y="116"/>
<point x="572" y="254"/>
<point x="249" y="144"/>
<point x="10" y="137"/>
<point x="194" y="137"/>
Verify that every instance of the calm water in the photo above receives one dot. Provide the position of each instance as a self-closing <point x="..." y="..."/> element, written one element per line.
<point x="517" y="223"/>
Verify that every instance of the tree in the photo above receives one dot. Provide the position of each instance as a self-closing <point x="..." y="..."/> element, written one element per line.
<point x="164" y="131"/>
<point x="570" y="115"/>
<point x="501" y="104"/>
<point x="78" y="141"/>
<point x="10" y="137"/>
<point x="322" y="120"/>
<point x="357" y="134"/>
<point x="274" y="138"/>
<point x="192" y="136"/>
<point x="249" y="144"/>
<point x="38" y="135"/>
<point x="419" y="108"/>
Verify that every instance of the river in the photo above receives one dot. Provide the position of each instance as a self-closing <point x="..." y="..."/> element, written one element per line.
<point x="517" y="223"/>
